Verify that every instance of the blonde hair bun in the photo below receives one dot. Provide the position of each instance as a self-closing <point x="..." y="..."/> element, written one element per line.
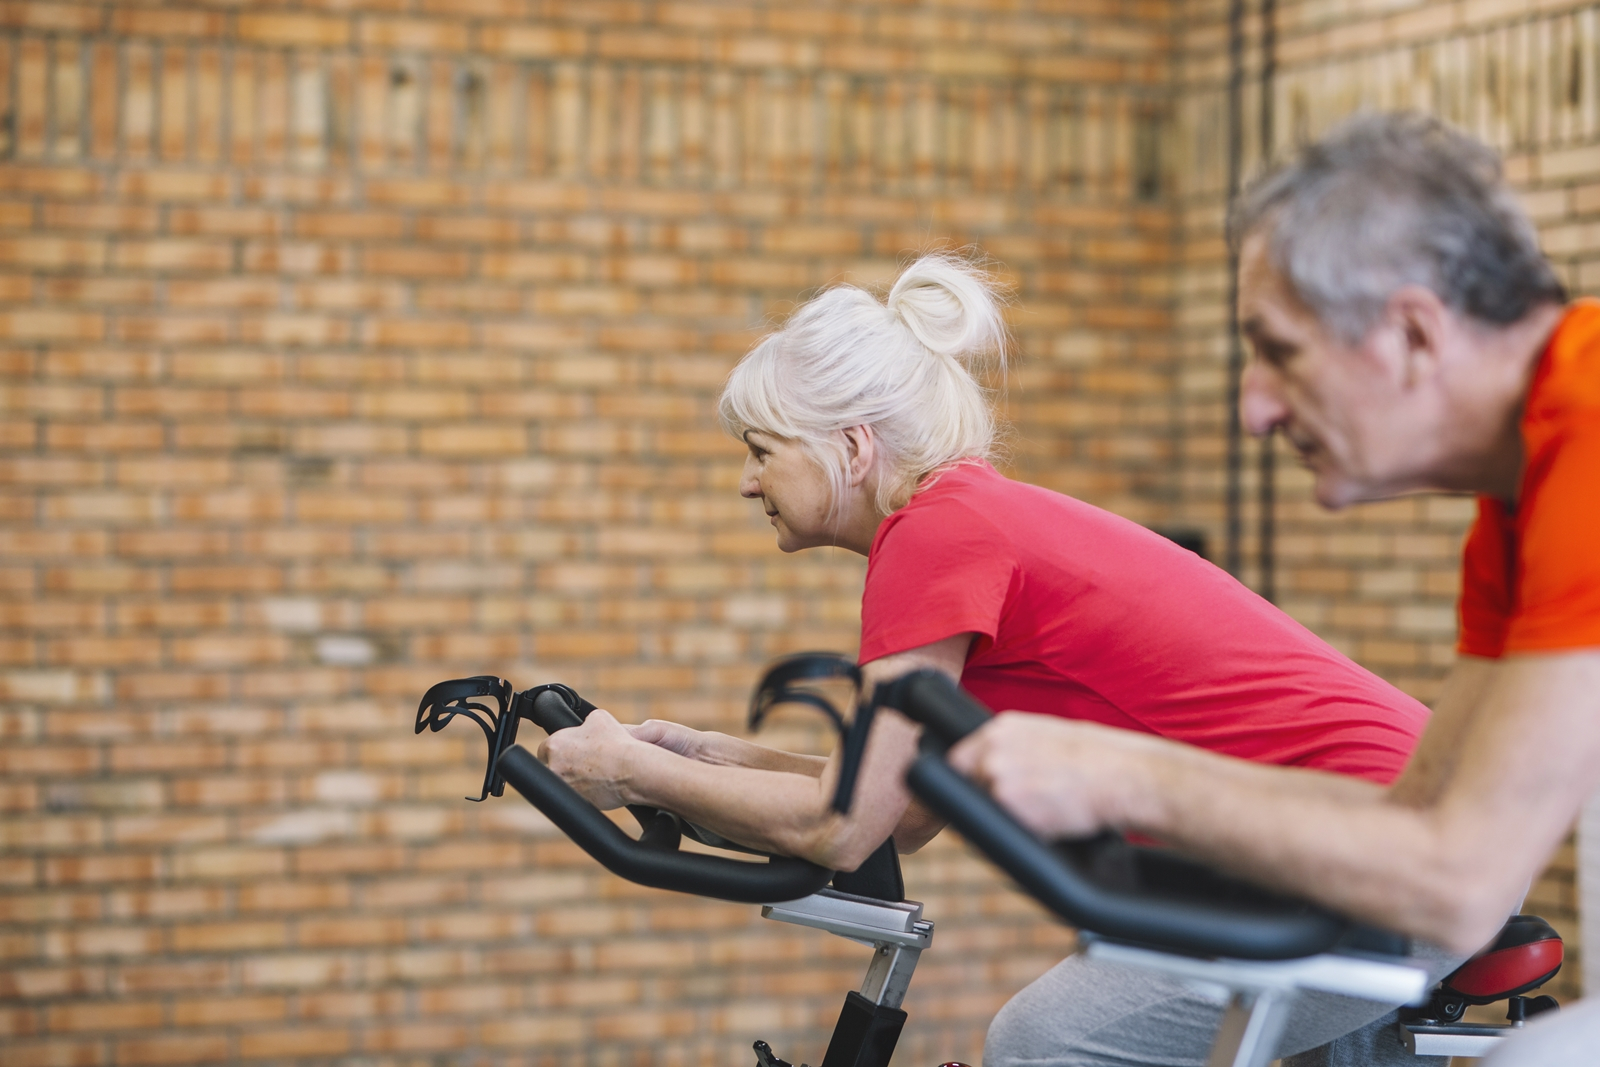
<point x="904" y="367"/>
<point x="950" y="306"/>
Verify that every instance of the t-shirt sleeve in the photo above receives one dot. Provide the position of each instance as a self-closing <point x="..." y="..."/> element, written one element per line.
<point x="938" y="571"/>
<point x="1558" y="559"/>
<point x="1486" y="565"/>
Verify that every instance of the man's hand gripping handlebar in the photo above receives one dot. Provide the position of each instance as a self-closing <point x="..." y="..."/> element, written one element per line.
<point x="1103" y="884"/>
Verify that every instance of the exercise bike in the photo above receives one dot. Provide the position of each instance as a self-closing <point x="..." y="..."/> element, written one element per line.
<point x="1131" y="904"/>
<point x="866" y="905"/>
<point x="1149" y="908"/>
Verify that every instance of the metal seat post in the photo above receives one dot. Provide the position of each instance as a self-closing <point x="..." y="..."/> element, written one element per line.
<point x="871" y="1019"/>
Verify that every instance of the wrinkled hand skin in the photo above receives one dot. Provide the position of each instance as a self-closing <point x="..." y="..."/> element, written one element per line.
<point x="1042" y="769"/>
<point x="592" y="758"/>
<point x="674" y="737"/>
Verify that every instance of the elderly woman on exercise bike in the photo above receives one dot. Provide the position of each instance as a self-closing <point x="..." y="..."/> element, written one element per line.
<point x="867" y="429"/>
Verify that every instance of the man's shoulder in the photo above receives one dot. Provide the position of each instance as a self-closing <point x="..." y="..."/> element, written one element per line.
<point x="1567" y="383"/>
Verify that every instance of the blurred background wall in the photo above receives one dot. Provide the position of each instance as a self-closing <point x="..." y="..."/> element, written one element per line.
<point x="354" y="345"/>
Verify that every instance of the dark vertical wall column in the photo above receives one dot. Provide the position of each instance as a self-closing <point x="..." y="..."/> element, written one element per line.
<point x="1267" y="583"/>
<point x="1234" y="549"/>
<point x="1233" y="556"/>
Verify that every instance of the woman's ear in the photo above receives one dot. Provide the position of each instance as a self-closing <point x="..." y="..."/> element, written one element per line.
<point x="861" y="453"/>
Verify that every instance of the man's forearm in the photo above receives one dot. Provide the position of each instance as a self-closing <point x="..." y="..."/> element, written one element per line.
<point x="1339" y="841"/>
<point x="1500" y="773"/>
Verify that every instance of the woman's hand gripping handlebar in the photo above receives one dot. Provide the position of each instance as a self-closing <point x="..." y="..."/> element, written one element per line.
<point x="1103" y="884"/>
<point x="653" y="860"/>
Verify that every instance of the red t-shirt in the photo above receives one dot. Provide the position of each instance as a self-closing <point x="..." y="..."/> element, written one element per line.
<point x="1086" y="615"/>
<point x="1530" y="576"/>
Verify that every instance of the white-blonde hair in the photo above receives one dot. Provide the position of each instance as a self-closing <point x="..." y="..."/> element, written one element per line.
<point x="903" y="366"/>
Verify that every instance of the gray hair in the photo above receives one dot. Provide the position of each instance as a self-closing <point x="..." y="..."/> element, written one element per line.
<point x="903" y="366"/>
<point x="1389" y="200"/>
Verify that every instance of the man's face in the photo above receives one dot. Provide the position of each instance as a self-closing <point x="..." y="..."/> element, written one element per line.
<point x="1344" y="408"/>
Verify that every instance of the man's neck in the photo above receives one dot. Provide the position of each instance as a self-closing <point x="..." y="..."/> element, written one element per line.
<point x="1494" y="394"/>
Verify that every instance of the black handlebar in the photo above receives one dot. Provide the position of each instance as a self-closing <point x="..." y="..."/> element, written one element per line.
<point x="946" y="711"/>
<point x="780" y="878"/>
<point x="653" y="860"/>
<point x="1103" y="884"/>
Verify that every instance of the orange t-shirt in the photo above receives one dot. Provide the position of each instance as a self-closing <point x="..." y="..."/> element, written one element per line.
<point x="1530" y="576"/>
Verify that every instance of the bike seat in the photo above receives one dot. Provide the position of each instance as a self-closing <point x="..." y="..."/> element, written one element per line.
<point x="1527" y="954"/>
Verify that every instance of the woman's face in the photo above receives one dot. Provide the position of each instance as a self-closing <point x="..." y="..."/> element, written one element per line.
<point x="792" y="488"/>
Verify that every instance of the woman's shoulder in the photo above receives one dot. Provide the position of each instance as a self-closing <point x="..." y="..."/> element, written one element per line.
<point x="971" y="487"/>
<point x="969" y="503"/>
<point x="976" y="487"/>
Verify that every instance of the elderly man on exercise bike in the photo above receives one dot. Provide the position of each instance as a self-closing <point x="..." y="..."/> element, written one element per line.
<point x="1408" y="336"/>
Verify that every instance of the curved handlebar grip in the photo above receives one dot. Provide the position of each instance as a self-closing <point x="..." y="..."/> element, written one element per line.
<point x="946" y="711"/>
<point x="550" y="712"/>
<point x="779" y="879"/>
<point x="1229" y="919"/>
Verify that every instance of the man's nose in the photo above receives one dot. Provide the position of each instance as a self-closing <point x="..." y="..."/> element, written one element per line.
<point x="1262" y="408"/>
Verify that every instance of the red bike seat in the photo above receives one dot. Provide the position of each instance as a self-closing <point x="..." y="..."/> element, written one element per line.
<point x="1525" y="956"/>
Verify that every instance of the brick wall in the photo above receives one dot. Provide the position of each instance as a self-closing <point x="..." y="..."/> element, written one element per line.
<point x="352" y="346"/>
<point x="1380" y="581"/>
<point x="349" y="347"/>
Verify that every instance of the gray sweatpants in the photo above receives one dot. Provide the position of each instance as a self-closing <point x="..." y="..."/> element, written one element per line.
<point x="1086" y="1013"/>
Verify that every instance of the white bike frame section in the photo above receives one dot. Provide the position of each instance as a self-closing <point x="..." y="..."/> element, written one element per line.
<point x="1259" y="992"/>
<point x="896" y="931"/>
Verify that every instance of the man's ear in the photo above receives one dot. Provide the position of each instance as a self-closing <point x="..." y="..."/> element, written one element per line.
<point x="861" y="453"/>
<point x="1420" y="321"/>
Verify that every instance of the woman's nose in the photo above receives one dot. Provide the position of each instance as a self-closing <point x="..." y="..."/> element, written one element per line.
<point x="749" y="484"/>
<point x="1262" y="408"/>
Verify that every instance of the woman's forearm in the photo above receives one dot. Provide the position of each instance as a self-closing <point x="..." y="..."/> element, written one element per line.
<point x="760" y="797"/>
<point x="729" y="751"/>
<point x="774" y="810"/>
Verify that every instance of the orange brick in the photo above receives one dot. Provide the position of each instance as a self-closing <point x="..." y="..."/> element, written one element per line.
<point x="173" y="185"/>
<point x="292" y="1042"/>
<point x="52" y="253"/>
<point x="228" y="936"/>
<point x="292" y="29"/>
<point x="106" y="1015"/>
<point x="224" y="792"/>
<point x="533" y="41"/>
<point x="112" y="217"/>
<point x="415" y="262"/>
<point x="173" y="254"/>
<point x="128" y="292"/>
<point x="180" y="1048"/>
<point x="412" y="34"/>
<point x="56" y="1051"/>
<point x="233" y="222"/>
<point x="222" y="1011"/>
<point x="54" y="181"/>
<point x="158" y="23"/>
